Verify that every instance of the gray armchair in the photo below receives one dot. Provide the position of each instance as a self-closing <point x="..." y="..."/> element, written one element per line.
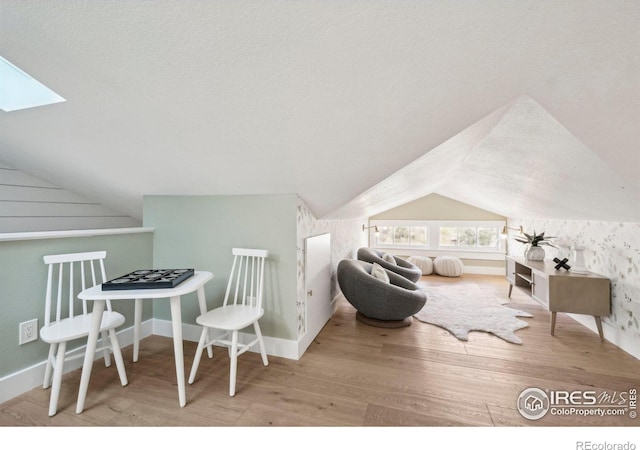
<point x="377" y="302"/>
<point x="402" y="266"/>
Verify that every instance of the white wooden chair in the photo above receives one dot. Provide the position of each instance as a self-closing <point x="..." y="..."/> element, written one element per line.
<point x="241" y="308"/>
<point x="64" y="322"/>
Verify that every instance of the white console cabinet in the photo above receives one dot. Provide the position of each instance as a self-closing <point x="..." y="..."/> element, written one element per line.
<point x="561" y="290"/>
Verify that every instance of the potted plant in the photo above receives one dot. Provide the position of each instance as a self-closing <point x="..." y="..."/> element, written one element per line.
<point x="534" y="251"/>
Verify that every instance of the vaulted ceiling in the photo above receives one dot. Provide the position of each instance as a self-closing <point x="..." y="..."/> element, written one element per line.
<point x="523" y="108"/>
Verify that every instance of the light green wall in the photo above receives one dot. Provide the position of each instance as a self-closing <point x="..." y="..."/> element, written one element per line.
<point x="200" y="231"/>
<point x="437" y="207"/>
<point x="23" y="277"/>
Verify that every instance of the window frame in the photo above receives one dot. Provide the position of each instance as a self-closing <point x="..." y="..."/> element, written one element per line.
<point x="433" y="247"/>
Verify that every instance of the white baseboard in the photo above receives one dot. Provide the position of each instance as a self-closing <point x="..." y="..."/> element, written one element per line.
<point x="627" y="343"/>
<point x="307" y="338"/>
<point x="26" y="379"/>
<point x="282" y="348"/>
<point x="479" y="270"/>
<point x="483" y="270"/>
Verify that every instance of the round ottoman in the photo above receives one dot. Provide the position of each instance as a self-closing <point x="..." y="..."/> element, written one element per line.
<point x="448" y="266"/>
<point x="424" y="263"/>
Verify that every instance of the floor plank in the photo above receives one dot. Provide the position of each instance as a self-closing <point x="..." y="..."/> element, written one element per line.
<point x="354" y="375"/>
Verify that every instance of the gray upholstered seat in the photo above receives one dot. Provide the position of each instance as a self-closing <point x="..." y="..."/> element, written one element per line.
<point x="396" y="301"/>
<point x="402" y="266"/>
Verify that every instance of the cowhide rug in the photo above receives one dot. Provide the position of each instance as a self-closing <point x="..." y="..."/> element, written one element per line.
<point x="461" y="308"/>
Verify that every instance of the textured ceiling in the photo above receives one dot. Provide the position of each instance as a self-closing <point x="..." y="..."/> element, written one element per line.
<point x="518" y="162"/>
<point x="329" y="98"/>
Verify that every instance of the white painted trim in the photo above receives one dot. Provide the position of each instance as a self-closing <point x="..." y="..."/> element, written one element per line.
<point x="30" y="235"/>
<point x="306" y="339"/>
<point x="622" y="340"/>
<point x="483" y="270"/>
<point x="476" y="270"/>
<point x="433" y="248"/>
<point x="24" y="380"/>
<point x="18" y="383"/>
<point x="282" y="348"/>
<point x="29" y="378"/>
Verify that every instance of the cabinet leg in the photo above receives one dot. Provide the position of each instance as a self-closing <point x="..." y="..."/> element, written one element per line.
<point x="510" y="289"/>
<point x="599" y="325"/>
<point x="553" y="322"/>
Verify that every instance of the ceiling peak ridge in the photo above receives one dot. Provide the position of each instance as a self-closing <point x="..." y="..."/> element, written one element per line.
<point x="494" y="120"/>
<point x="455" y="150"/>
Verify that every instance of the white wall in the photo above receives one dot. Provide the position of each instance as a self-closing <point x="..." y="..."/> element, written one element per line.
<point x="346" y="237"/>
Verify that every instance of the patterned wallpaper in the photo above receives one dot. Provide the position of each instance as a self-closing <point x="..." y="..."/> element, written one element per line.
<point x="612" y="250"/>
<point x="346" y="237"/>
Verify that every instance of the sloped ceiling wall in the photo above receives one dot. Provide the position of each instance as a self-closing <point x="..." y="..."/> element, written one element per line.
<point x="517" y="162"/>
<point x="327" y="99"/>
<point x="30" y="204"/>
<point x="530" y="165"/>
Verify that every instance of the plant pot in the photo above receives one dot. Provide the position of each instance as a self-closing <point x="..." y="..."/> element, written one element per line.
<point x="534" y="253"/>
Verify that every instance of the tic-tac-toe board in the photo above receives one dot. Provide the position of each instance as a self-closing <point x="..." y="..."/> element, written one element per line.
<point x="148" y="279"/>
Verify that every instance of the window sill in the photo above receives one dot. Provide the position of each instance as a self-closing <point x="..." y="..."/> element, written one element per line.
<point x="432" y="253"/>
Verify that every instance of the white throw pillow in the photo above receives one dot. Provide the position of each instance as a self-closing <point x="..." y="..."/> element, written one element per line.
<point x="380" y="273"/>
<point x="388" y="257"/>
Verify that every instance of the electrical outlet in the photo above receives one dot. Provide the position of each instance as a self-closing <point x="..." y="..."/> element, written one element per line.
<point x="28" y="331"/>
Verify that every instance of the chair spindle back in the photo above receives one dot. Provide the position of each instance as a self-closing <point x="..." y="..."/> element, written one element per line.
<point x="247" y="277"/>
<point x="62" y="266"/>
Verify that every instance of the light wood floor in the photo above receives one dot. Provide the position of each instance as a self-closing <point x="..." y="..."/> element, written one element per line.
<point x="354" y="375"/>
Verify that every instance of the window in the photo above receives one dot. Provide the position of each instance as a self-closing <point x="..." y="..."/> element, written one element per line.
<point x="488" y="237"/>
<point x="19" y="90"/>
<point x="384" y="236"/>
<point x="438" y="237"/>
<point x="419" y="236"/>
<point x="402" y="236"/>
<point x="471" y="237"/>
<point x="448" y="237"/>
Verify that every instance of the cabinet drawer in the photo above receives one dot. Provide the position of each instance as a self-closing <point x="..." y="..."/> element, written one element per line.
<point x="540" y="289"/>
<point x="580" y="295"/>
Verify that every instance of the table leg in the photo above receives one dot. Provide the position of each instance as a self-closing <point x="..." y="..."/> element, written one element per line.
<point x="202" y="302"/>
<point x="553" y="322"/>
<point x="176" y="323"/>
<point x="137" y="323"/>
<point x="510" y="289"/>
<point x="98" y="309"/>
<point x="599" y="325"/>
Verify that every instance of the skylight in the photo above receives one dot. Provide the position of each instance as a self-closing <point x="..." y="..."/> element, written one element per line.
<point x="18" y="90"/>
